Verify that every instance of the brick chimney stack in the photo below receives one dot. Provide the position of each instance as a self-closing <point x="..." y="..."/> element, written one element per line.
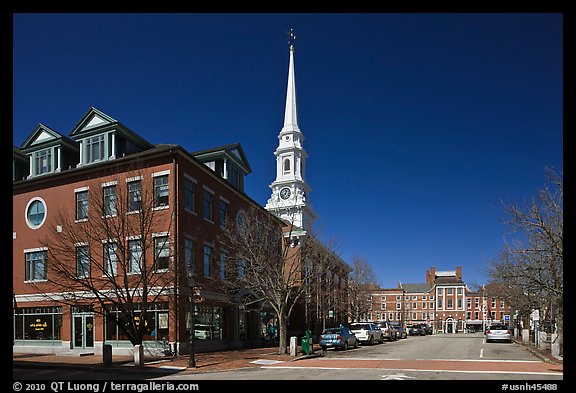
<point x="431" y="276"/>
<point x="459" y="272"/>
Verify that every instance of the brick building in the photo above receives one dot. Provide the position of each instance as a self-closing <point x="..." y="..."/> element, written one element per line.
<point x="96" y="178"/>
<point x="443" y="301"/>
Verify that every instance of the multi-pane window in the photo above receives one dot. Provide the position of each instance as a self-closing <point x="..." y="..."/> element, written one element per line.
<point x="82" y="261"/>
<point x="134" y="195"/>
<point x="223" y="212"/>
<point x="161" y="191"/>
<point x="423" y="305"/>
<point x="493" y="302"/>
<point x="208" y="257"/>
<point x="82" y="205"/>
<point x="36" y="267"/>
<point x="469" y="303"/>
<point x="440" y="305"/>
<point x="459" y="303"/>
<point x="398" y="306"/>
<point x="95" y="148"/>
<point x="189" y="195"/>
<point x="36" y="213"/>
<point x="208" y="205"/>
<point x="161" y="252"/>
<point x="223" y="258"/>
<point x="431" y="305"/>
<point x="241" y="268"/>
<point x="450" y="291"/>
<point x="134" y="256"/>
<point x="43" y="161"/>
<point x="110" y="203"/>
<point x="501" y="303"/>
<point x="450" y="303"/>
<point x="189" y="256"/>
<point x="476" y="302"/>
<point x="110" y="259"/>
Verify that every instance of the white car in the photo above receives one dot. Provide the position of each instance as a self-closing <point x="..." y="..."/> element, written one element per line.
<point x="367" y="332"/>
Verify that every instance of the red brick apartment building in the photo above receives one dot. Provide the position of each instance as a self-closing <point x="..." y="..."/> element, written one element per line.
<point x="56" y="178"/>
<point x="443" y="301"/>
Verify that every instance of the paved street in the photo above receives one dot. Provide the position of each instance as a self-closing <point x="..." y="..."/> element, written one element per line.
<point x="437" y="357"/>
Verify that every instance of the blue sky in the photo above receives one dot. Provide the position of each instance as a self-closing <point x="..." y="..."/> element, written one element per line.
<point x="417" y="125"/>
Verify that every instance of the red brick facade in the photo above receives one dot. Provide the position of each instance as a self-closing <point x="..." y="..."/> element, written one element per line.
<point x="443" y="301"/>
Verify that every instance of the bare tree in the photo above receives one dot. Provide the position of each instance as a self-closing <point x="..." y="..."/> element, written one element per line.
<point x="532" y="266"/>
<point x="361" y="283"/>
<point x="276" y="263"/>
<point x="114" y="249"/>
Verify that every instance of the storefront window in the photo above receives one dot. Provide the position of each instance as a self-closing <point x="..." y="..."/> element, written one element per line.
<point x="38" y="323"/>
<point x="209" y="323"/>
<point x="155" y="322"/>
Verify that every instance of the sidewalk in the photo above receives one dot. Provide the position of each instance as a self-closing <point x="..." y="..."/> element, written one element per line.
<point x="205" y="362"/>
<point x="544" y="354"/>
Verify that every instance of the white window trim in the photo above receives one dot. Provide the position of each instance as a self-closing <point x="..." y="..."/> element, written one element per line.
<point x="109" y="183"/>
<point x="161" y="173"/>
<point x="81" y="189"/>
<point x="135" y="178"/>
<point x="34" y="199"/>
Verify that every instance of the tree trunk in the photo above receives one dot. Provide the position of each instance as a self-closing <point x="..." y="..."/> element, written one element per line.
<point x="283" y="332"/>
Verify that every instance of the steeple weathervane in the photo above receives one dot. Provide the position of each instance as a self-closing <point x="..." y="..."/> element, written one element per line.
<point x="291" y="39"/>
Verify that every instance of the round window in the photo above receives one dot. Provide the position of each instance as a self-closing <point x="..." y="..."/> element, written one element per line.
<point x="36" y="213"/>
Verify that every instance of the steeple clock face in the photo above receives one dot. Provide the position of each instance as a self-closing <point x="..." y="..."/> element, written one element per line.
<point x="285" y="193"/>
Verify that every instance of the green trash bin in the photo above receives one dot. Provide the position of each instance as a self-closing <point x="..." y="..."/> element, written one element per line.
<point x="305" y="345"/>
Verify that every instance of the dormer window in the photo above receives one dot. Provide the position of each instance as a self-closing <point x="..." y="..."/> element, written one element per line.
<point x="95" y="148"/>
<point x="43" y="161"/>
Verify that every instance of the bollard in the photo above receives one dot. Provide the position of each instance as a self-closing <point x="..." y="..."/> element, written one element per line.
<point x="293" y="345"/>
<point x="138" y="355"/>
<point x="107" y="354"/>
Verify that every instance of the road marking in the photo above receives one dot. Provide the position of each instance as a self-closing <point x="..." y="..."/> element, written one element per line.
<point x="425" y="370"/>
<point x="481" y="353"/>
<point x="396" y="377"/>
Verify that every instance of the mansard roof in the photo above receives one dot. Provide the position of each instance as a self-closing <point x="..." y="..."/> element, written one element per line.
<point x="95" y="122"/>
<point x="232" y="151"/>
<point x="44" y="136"/>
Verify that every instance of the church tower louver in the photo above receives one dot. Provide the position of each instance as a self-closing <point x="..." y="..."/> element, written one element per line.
<point x="289" y="199"/>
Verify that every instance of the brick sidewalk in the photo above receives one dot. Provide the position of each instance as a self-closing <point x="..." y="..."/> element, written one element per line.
<point x="208" y="361"/>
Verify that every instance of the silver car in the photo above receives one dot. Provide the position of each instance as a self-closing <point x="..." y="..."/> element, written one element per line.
<point x="388" y="330"/>
<point x="367" y="332"/>
<point x="498" y="332"/>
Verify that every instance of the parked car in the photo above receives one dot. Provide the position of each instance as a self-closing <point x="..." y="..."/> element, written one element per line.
<point x="367" y="332"/>
<point x="417" y="330"/>
<point x="498" y="332"/>
<point x="388" y="330"/>
<point x="400" y="331"/>
<point x="428" y="329"/>
<point x="338" y="338"/>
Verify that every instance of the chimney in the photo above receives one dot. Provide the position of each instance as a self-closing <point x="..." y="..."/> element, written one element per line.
<point x="459" y="272"/>
<point x="431" y="276"/>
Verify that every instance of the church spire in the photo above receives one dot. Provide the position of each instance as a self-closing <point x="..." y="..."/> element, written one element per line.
<point x="291" y="113"/>
<point x="289" y="191"/>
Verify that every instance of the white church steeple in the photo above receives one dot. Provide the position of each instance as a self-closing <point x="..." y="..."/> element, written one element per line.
<point x="289" y="199"/>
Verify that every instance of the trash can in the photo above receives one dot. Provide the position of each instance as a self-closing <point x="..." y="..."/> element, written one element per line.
<point x="306" y="349"/>
<point x="305" y="346"/>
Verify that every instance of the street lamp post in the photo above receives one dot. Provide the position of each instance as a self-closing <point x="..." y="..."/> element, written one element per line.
<point x="195" y="298"/>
